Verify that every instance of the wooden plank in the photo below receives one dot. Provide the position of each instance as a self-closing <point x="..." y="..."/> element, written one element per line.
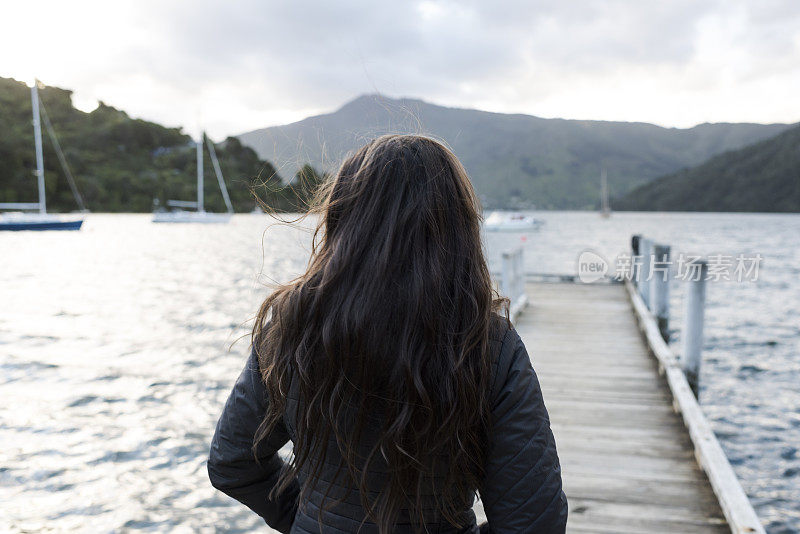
<point x="686" y="480"/>
<point x="596" y="428"/>
<point x="607" y="396"/>
<point x="579" y="526"/>
<point x="646" y="513"/>
<point x="619" y="489"/>
<point x="600" y="372"/>
<point x="576" y="382"/>
<point x="633" y="466"/>
<point x="655" y="411"/>
<point x="612" y="383"/>
<point x="651" y="448"/>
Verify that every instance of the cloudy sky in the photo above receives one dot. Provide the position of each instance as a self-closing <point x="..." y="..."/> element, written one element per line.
<point x="239" y="65"/>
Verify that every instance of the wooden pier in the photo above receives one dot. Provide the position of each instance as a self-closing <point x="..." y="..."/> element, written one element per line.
<point x="627" y="460"/>
<point x="637" y="454"/>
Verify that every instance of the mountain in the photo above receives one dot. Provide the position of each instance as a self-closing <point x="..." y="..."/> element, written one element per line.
<point x="120" y="163"/>
<point x="764" y="176"/>
<point x="513" y="160"/>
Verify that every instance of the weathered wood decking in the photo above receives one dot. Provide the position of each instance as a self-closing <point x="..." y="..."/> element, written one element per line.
<point x="627" y="459"/>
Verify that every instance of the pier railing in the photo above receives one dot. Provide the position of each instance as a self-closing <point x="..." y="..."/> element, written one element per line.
<point x="649" y="295"/>
<point x="650" y="274"/>
<point x="512" y="281"/>
<point x="649" y="291"/>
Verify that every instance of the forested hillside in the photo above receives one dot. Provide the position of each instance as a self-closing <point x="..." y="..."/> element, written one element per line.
<point x="513" y="160"/>
<point x="123" y="164"/>
<point x="764" y="176"/>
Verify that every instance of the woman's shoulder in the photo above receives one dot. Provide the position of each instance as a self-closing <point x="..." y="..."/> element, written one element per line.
<point x="507" y="350"/>
<point x="502" y="335"/>
<point x="498" y="327"/>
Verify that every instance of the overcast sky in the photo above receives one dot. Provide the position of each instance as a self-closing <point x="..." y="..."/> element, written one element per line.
<point x="239" y="65"/>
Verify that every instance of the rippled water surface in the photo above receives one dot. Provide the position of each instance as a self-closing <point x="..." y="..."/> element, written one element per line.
<point x="116" y="357"/>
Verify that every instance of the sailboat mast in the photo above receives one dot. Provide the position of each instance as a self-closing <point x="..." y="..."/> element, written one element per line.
<point x="218" y="171"/>
<point x="200" y="174"/>
<point x="37" y="135"/>
<point x="604" y="191"/>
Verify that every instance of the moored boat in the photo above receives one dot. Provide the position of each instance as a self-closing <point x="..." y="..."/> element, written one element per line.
<point x="509" y="221"/>
<point x="180" y="215"/>
<point x="18" y="221"/>
<point x="37" y="217"/>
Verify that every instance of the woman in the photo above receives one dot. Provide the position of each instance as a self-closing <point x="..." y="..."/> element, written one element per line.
<point x="386" y="364"/>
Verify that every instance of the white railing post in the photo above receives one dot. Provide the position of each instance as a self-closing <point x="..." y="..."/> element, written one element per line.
<point x="519" y="291"/>
<point x="659" y="287"/>
<point x="506" y="275"/>
<point x="512" y="281"/>
<point x="636" y="258"/>
<point x="691" y="356"/>
<point x="645" y="272"/>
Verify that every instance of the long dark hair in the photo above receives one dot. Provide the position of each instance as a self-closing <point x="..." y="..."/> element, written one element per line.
<point x="389" y="323"/>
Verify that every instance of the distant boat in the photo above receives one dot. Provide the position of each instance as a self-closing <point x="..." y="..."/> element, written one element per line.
<point x="509" y="221"/>
<point x="605" y="208"/>
<point x="39" y="219"/>
<point x="179" y="215"/>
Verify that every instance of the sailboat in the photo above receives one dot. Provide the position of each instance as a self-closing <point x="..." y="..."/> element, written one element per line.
<point x="502" y="221"/>
<point x="605" y="208"/>
<point x="38" y="218"/>
<point x="179" y="215"/>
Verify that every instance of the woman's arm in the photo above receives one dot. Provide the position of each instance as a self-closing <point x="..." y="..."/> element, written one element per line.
<point x="232" y="466"/>
<point x="522" y="487"/>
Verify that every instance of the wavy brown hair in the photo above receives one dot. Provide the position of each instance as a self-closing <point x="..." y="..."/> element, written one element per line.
<point x="389" y="323"/>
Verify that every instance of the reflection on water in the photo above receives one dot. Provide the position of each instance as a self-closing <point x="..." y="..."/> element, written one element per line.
<point x="115" y="357"/>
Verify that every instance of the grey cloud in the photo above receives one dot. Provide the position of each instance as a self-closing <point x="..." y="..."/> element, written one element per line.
<point x="317" y="54"/>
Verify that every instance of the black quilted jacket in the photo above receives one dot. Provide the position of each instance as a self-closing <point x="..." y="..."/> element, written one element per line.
<point x="521" y="492"/>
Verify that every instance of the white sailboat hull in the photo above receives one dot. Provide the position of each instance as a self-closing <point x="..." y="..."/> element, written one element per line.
<point x="202" y="217"/>
<point x="511" y="222"/>
<point x="513" y="227"/>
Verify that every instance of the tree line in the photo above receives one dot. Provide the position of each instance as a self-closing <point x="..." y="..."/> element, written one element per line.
<point x="121" y="164"/>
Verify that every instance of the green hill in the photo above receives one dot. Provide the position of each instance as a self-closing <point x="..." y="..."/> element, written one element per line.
<point x="120" y="163"/>
<point x="513" y="160"/>
<point x="764" y="176"/>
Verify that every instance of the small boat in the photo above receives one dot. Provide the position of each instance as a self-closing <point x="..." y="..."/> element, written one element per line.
<point x="33" y="215"/>
<point x="509" y="221"/>
<point x="180" y="215"/>
<point x="183" y="216"/>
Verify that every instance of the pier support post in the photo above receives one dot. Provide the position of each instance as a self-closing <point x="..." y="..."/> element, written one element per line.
<point x="506" y="274"/>
<point x="519" y="273"/>
<point x="512" y="281"/>
<point x="659" y="288"/>
<point x="691" y="355"/>
<point x="645" y="273"/>
<point x="635" y="258"/>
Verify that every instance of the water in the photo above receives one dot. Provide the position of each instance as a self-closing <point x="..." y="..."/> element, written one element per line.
<point x="118" y="348"/>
